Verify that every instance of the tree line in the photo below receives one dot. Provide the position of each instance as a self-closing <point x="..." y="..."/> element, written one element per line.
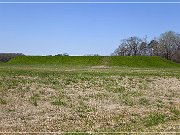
<point x="4" y="57"/>
<point x="167" y="45"/>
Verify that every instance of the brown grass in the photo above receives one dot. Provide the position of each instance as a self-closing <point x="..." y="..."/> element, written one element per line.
<point x="96" y="103"/>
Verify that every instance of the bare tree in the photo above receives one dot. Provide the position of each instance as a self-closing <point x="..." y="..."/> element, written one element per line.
<point x="154" y="48"/>
<point x="166" y="46"/>
<point x="176" y="56"/>
<point x="143" y="48"/>
<point x="129" y="47"/>
<point x="169" y="43"/>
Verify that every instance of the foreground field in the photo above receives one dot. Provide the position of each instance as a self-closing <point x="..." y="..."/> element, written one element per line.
<point x="92" y="98"/>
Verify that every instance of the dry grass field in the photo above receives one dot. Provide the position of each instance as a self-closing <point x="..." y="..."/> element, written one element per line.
<point x="89" y="99"/>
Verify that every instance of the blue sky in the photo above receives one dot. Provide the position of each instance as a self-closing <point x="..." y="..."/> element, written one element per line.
<point x="78" y="29"/>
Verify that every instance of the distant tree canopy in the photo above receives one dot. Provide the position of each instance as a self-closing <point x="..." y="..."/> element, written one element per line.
<point x="166" y="46"/>
<point x="91" y="55"/>
<point x="4" y="57"/>
<point x="63" y="54"/>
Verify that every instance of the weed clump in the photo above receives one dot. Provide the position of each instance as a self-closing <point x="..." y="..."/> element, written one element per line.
<point x="154" y="119"/>
<point x="59" y="102"/>
<point x="34" y="98"/>
<point x="144" y="101"/>
<point x="3" y="101"/>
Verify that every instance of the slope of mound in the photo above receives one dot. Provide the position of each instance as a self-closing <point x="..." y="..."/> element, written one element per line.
<point x="125" y="61"/>
<point x="57" y="60"/>
<point x="142" y="61"/>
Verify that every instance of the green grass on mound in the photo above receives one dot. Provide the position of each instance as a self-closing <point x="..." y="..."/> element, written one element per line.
<point x="142" y="61"/>
<point x="125" y="61"/>
<point x="57" y="60"/>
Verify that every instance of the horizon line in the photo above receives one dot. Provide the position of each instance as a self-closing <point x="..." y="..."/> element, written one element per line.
<point x="123" y="2"/>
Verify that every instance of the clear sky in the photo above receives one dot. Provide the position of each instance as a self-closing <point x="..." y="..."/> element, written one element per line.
<point x="79" y="29"/>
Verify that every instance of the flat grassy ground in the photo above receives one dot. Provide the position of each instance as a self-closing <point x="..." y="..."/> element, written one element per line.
<point x="101" y="98"/>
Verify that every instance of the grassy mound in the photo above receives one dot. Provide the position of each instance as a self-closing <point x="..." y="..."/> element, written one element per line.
<point x="125" y="61"/>
<point x="57" y="60"/>
<point x="142" y="61"/>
